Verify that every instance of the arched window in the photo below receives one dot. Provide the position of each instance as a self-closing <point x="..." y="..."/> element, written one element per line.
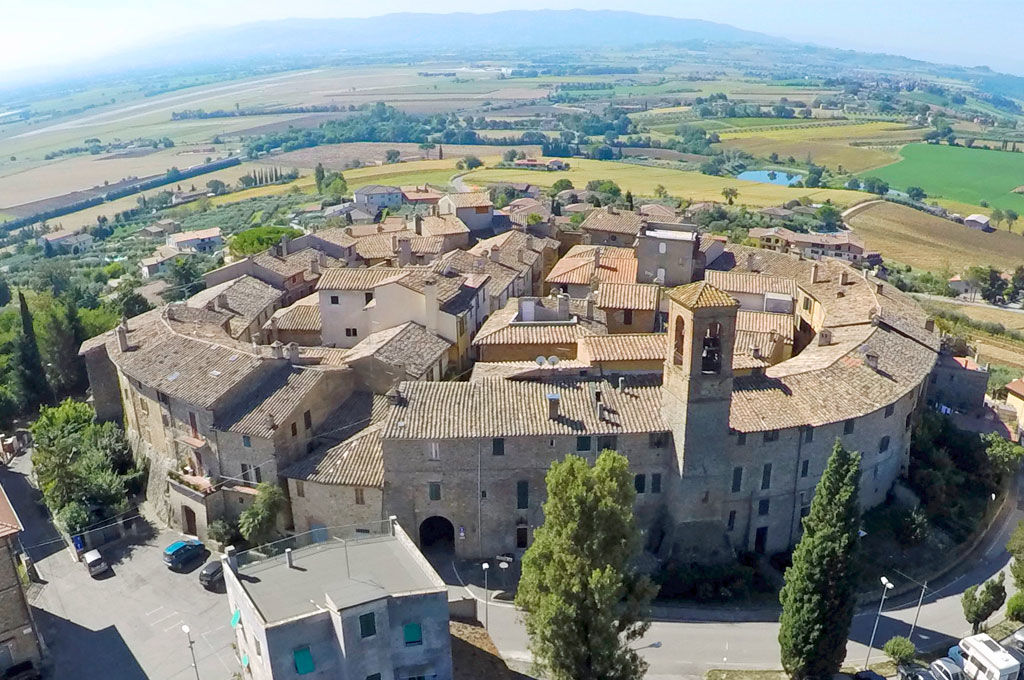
<point x="711" y="356"/>
<point x="680" y="341"/>
<point x="883" y="445"/>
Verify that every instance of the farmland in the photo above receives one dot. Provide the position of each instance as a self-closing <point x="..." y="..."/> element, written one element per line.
<point x="341" y="156"/>
<point x="829" y="154"/>
<point x="641" y="180"/>
<point x="924" y="241"/>
<point x="959" y="174"/>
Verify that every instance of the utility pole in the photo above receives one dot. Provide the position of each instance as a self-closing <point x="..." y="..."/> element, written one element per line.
<point x="191" y="648"/>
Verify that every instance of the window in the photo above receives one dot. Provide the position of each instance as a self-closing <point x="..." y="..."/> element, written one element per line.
<point x="889" y="410"/>
<point x="804" y="468"/>
<point x="367" y="625"/>
<point x="368" y="297"/>
<point x="300" y="488"/>
<point x="434" y="491"/>
<point x="163" y="398"/>
<point x="295" y="429"/>
<point x="766" y="477"/>
<point x="334" y="299"/>
<point x="246" y="441"/>
<point x="360" y="498"/>
<point x="848" y="426"/>
<point x="737" y="479"/>
<point x="808" y="434"/>
<point x="771" y="435"/>
<point x="741" y="438"/>
<point x="247" y="472"/>
<point x="656" y="482"/>
<point x="303" y="660"/>
<point x="375" y="676"/>
<point x="807" y="303"/>
<point x="657" y="440"/>
<point x="909" y="419"/>
<point x="307" y="420"/>
<point x="522" y="494"/>
<point x="627" y="317"/>
<point x="413" y="634"/>
<point x="498" y="446"/>
<point x="640" y="483"/>
<point x="762" y="506"/>
<point x="607" y="442"/>
<point x="434" y="452"/>
<point x="883" y="445"/>
<point x="583" y="443"/>
<point x="711" y="355"/>
<point x="732" y="520"/>
<point x="351" y="333"/>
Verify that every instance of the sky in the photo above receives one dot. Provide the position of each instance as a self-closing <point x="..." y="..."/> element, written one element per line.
<point x="36" y="33"/>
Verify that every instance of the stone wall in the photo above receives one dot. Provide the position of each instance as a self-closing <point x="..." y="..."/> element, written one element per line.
<point x="332" y="505"/>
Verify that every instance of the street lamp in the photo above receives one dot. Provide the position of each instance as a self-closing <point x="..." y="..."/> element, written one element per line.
<point x="188" y="633"/>
<point x="485" y="567"/>
<point x="503" y="566"/>
<point x="886" y="587"/>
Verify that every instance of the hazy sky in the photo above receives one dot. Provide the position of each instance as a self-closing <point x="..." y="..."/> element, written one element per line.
<point x="968" y="32"/>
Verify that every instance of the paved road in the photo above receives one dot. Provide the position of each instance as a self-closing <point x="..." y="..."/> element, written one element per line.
<point x="127" y="624"/>
<point x="689" y="641"/>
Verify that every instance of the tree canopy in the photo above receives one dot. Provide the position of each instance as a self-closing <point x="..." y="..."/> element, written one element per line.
<point x="258" y="239"/>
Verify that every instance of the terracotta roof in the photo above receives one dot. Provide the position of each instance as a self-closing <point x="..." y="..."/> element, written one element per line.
<point x="337" y="236"/>
<point x="470" y="199"/>
<point x="618" y="222"/>
<point x="1016" y="387"/>
<point x="10" y="525"/>
<point x="384" y="246"/>
<point x="361" y="278"/>
<point x="441" y="410"/>
<point x="279" y="395"/>
<point x="639" y="296"/>
<point x="700" y="294"/>
<point x="766" y="322"/>
<point x="420" y="193"/>
<point x="297" y="318"/>
<point x="409" y="345"/>
<point x="500" y="275"/>
<point x="657" y="210"/>
<point x="617" y="265"/>
<point x="212" y="232"/>
<point x="752" y="283"/>
<point x="500" y="327"/>
<point x="298" y="262"/>
<point x="247" y="298"/>
<point x="512" y="240"/>
<point x="443" y="225"/>
<point x="623" y="347"/>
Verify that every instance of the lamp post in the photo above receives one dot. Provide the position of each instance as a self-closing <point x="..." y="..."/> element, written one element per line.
<point x="188" y="634"/>
<point x="886" y="587"/>
<point x="485" y="566"/>
<point x="504" y="582"/>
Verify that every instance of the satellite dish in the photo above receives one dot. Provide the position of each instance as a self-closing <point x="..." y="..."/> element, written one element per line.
<point x="541" y="360"/>
<point x="553" y="360"/>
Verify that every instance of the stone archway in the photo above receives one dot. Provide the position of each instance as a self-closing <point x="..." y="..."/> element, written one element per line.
<point x="437" y="534"/>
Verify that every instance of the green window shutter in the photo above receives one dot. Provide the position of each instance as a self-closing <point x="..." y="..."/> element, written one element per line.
<point x="303" y="661"/>
<point x="367" y="625"/>
<point x="413" y="634"/>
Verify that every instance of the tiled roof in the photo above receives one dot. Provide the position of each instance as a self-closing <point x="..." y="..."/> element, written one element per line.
<point x="616" y="265"/>
<point x="526" y="370"/>
<point x="837" y="238"/>
<point x="212" y="232"/>
<point x="409" y="345"/>
<point x="700" y="294"/>
<point x="295" y="263"/>
<point x="279" y="395"/>
<point x="297" y="318"/>
<point x="508" y="408"/>
<point x="639" y="296"/>
<point x="247" y="298"/>
<point x="337" y="236"/>
<point x="384" y="246"/>
<point x="765" y="322"/>
<point x="617" y="222"/>
<point x="1016" y="387"/>
<point x="470" y="199"/>
<point x="361" y="278"/>
<point x="757" y="284"/>
<point x="501" y="274"/>
<point x="453" y="292"/>
<point x="9" y="522"/>
<point x="623" y="347"/>
<point x="499" y="328"/>
<point x="657" y="210"/>
<point x="513" y="240"/>
<point x="371" y="189"/>
<point x="443" y="225"/>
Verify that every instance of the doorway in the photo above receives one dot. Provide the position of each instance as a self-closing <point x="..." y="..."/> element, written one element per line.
<point x="188" y="520"/>
<point x="760" y="540"/>
<point x="437" y="534"/>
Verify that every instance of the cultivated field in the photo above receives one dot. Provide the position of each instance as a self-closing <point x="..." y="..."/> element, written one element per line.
<point x="960" y="174"/>
<point x="336" y="156"/>
<point x="641" y="180"/>
<point x="932" y="243"/>
<point x="829" y="154"/>
<point x="822" y="131"/>
<point x="1011" y="319"/>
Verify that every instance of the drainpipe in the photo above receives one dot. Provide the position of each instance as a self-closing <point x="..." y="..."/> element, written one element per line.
<point x="796" y="483"/>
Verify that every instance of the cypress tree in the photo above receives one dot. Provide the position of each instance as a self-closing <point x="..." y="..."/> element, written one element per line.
<point x="818" y="597"/>
<point x="28" y="378"/>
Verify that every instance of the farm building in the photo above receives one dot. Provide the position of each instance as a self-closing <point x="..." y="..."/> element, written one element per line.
<point x="979" y="222"/>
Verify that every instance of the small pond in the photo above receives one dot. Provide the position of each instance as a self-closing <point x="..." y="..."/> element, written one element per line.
<point x="770" y="177"/>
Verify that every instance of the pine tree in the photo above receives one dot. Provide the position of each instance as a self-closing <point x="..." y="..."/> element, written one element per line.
<point x="584" y="604"/>
<point x="28" y="378"/>
<point x="318" y="175"/>
<point x="818" y="597"/>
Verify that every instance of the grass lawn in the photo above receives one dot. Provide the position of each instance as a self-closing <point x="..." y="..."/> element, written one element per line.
<point x="641" y="180"/>
<point x="959" y="174"/>
<point x="932" y="243"/>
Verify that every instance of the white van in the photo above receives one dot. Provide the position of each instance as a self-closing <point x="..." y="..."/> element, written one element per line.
<point x="986" y="659"/>
<point x="95" y="563"/>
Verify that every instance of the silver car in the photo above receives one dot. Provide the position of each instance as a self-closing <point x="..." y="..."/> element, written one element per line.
<point x="946" y="669"/>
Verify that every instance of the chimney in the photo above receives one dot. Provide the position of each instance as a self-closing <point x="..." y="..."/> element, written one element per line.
<point x="521" y="256"/>
<point x="622" y="384"/>
<point x="270" y="422"/>
<point x="527" y="306"/>
<point x="844" y="277"/>
<point x="871" y="359"/>
<point x="277" y="349"/>
<point x="929" y="325"/>
<point x="814" y="272"/>
<point x="552" y="406"/>
<point x="288" y="557"/>
<point x="380" y="228"/>
<point x="394" y="243"/>
<point x="284" y="244"/>
<point x="314" y="266"/>
<point x="755" y="351"/>
<point x="222" y="301"/>
<point x="348" y="231"/>
<point x="590" y="306"/>
<point x="879" y="288"/>
<point x="273" y="329"/>
<point x="430" y="304"/>
<point x="404" y="251"/>
<point x="824" y="337"/>
<point x="495" y="254"/>
<point x="754" y="263"/>
<point x="122" y="336"/>
<point x="417" y="223"/>
<point x="597" y="258"/>
<point x="293" y="352"/>
<point x="529" y="242"/>
<point x="563" y="306"/>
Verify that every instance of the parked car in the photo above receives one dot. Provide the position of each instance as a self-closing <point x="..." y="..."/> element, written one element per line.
<point x="211" y="575"/>
<point x="1017" y="640"/>
<point x="95" y="563"/>
<point x="956" y="655"/>
<point x="182" y="552"/>
<point x="946" y="669"/>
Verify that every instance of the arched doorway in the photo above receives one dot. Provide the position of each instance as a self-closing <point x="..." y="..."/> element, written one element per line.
<point x="188" y="520"/>
<point x="437" y="534"/>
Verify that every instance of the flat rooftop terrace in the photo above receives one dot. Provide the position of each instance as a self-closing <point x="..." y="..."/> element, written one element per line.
<point x="377" y="567"/>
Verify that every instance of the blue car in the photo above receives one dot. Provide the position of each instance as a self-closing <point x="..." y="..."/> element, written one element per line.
<point x="182" y="552"/>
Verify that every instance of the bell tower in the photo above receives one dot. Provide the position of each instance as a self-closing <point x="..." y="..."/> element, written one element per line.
<point x="697" y="378"/>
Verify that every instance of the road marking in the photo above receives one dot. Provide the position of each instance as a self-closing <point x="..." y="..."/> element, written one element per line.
<point x="174" y="625"/>
<point x="163" y="618"/>
<point x="154" y="611"/>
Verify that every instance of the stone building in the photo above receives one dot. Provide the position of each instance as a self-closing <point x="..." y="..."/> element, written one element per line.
<point x="583" y="268"/>
<point x="530" y="327"/>
<point x="630" y="307"/>
<point x="958" y="383"/>
<point x="19" y="641"/>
